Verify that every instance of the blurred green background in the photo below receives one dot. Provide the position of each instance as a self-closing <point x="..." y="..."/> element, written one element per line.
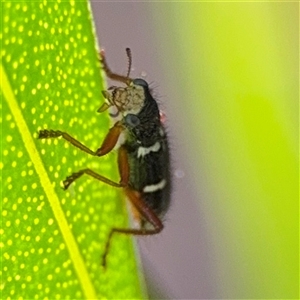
<point x="227" y="75"/>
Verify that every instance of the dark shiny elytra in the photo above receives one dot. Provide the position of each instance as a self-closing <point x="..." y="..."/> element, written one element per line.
<point x="155" y="166"/>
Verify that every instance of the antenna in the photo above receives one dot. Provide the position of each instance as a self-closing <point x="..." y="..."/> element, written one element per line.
<point x="128" y="52"/>
<point x="115" y="76"/>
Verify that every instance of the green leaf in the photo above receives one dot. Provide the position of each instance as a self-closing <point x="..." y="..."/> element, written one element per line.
<point x="53" y="240"/>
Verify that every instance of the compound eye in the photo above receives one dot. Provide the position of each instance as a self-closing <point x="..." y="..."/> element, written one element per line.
<point x="140" y="82"/>
<point x="132" y="120"/>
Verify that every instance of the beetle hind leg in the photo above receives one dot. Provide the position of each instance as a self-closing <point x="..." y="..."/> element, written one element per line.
<point x="146" y="213"/>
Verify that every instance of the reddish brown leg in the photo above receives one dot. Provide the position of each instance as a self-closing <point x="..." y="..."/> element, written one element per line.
<point x="145" y="211"/>
<point x="123" y="170"/>
<point x="74" y="176"/>
<point x="47" y="134"/>
<point x="107" y="145"/>
<point x="123" y="166"/>
<point x="111" y="139"/>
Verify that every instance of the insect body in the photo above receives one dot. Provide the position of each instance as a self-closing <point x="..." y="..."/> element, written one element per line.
<point x="143" y="155"/>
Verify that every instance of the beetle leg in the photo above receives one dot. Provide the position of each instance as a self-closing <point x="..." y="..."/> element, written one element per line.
<point x="74" y="176"/>
<point x="123" y="170"/>
<point x="111" y="139"/>
<point x="145" y="211"/>
<point x="107" y="145"/>
<point x="123" y="166"/>
<point x="46" y="134"/>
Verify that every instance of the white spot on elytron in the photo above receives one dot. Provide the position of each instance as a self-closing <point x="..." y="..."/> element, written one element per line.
<point x="142" y="151"/>
<point x="154" y="187"/>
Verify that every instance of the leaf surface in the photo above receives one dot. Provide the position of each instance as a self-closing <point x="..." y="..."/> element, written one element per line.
<point x="53" y="240"/>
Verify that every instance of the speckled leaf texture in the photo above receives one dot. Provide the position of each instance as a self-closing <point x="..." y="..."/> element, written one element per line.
<point x="52" y="240"/>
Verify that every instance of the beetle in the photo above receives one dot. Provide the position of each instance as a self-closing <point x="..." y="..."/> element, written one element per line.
<point x="143" y="152"/>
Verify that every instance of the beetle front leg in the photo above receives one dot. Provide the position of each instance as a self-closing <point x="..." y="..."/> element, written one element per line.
<point x="48" y="134"/>
<point x="111" y="139"/>
<point x="107" y="145"/>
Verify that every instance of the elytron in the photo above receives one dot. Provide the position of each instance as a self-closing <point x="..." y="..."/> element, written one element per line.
<point x="143" y="153"/>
